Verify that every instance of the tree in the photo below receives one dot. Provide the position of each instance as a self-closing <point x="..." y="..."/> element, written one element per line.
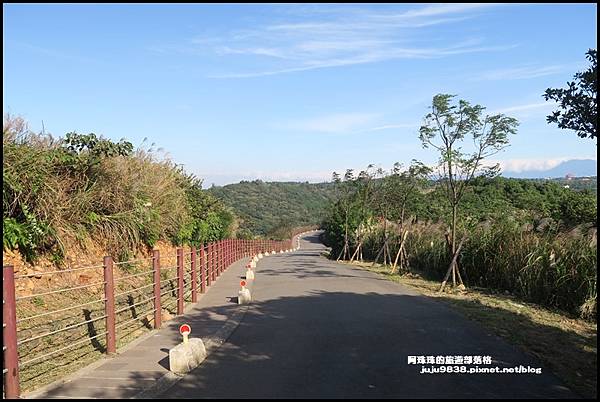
<point x="405" y="186"/>
<point x="364" y="194"/>
<point x="445" y="129"/>
<point x="344" y="190"/>
<point x="578" y="107"/>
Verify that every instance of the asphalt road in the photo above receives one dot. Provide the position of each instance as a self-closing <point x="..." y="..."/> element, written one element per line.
<point x="319" y="329"/>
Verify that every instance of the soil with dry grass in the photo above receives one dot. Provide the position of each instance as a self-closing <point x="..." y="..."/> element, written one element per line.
<point x="567" y="346"/>
<point x="81" y="311"/>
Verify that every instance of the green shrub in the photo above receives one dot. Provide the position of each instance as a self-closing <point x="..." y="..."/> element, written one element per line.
<point x="81" y="187"/>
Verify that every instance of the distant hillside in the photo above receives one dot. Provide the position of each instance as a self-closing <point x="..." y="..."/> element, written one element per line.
<point x="268" y="206"/>
<point x="574" y="167"/>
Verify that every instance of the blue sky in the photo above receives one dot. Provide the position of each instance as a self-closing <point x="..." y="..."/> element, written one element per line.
<point x="292" y="92"/>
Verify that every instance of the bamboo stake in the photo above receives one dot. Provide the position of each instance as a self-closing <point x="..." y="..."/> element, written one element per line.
<point x="452" y="266"/>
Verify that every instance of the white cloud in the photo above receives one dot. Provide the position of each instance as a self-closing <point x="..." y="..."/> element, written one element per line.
<point x="333" y="123"/>
<point x="535" y="164"/>
<point x="524" y="108"/>
<point x="442" y="9"/>
<point x="221" y="179"/>
<point x="520" y="73"/>
<point x="391" y="126"/>
<point x="527" y="111"/>
<point x="344" y="36"/>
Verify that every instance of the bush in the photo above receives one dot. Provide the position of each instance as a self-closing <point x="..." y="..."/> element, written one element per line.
<point x="84" y="187"/>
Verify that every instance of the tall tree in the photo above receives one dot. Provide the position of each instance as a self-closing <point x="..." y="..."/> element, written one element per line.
<point x="364" y="192"/>
<point x="345" y="192"/>
<point x="578" y="109"/>
<point x="447" y="128"/>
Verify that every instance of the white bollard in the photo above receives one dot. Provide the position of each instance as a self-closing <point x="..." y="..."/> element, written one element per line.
<point x="249" y="274"/>
<point x="188" y="355"/>
<point x="244" y="296"/>
<point x="185" y="357"/>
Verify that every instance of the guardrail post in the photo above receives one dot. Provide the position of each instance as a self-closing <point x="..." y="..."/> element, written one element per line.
<point x="209" y="276"/>
<point x="218" y="259"/>
<point x="180" y="281"/>
<point x="193" y="264"/>
<point x="9" y="333"/>
<point x="202" y="269"/>
<point x="225" y="254"/>
<point x="228" y="243"/>
<point x="109" y="306"/>
<point x="157" y="306"/>
<point x="222" y="256"/>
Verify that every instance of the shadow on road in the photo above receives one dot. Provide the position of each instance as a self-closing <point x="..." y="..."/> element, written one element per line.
<point x="340" y="344"/>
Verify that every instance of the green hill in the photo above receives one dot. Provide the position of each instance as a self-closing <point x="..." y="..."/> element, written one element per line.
<point x="266" y="207"/>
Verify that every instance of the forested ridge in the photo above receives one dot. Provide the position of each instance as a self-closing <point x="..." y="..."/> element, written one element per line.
<point x="265" y="208"/>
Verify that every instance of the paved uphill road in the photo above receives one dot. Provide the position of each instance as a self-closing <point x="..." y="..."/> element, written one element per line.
<point x="317" y="328"/>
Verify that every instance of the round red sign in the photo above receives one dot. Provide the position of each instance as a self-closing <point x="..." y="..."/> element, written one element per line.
<point x="243" y="283"/>
<point x="185" y="329"/>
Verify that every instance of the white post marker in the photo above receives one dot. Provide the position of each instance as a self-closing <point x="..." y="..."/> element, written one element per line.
<point x="244" y="294"/>
<point x="187" y="355"/>
<point x="249" y="272"/>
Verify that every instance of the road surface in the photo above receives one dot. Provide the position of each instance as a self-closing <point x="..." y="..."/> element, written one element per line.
<point x="320" y="329"/>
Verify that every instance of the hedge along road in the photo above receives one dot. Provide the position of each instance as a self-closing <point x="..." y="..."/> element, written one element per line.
<point x="317" y="328"/>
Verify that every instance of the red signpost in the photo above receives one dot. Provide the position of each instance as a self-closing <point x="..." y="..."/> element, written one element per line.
<point x="185" y="329"/>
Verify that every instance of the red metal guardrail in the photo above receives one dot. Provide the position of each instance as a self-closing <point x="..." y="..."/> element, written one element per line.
<point x="206" y="263"/>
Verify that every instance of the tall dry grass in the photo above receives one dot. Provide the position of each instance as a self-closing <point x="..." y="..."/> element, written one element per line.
<point x="553" y="268"/>
<point x="54" y="197"/>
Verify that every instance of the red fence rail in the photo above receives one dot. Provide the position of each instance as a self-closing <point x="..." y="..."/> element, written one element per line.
<point x="206" y="265"/>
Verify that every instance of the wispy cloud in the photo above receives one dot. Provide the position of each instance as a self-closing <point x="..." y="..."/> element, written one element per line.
<point x="333" y="123"/>
<point x="391" y="127"/>
<point x="523" y="72"/>
<point x="344" y="36"/>
<point x="342" y="123"/>
<point x="372" y="55"/>
<point x="525" y="109"/>
<point x="48" y="52"/>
